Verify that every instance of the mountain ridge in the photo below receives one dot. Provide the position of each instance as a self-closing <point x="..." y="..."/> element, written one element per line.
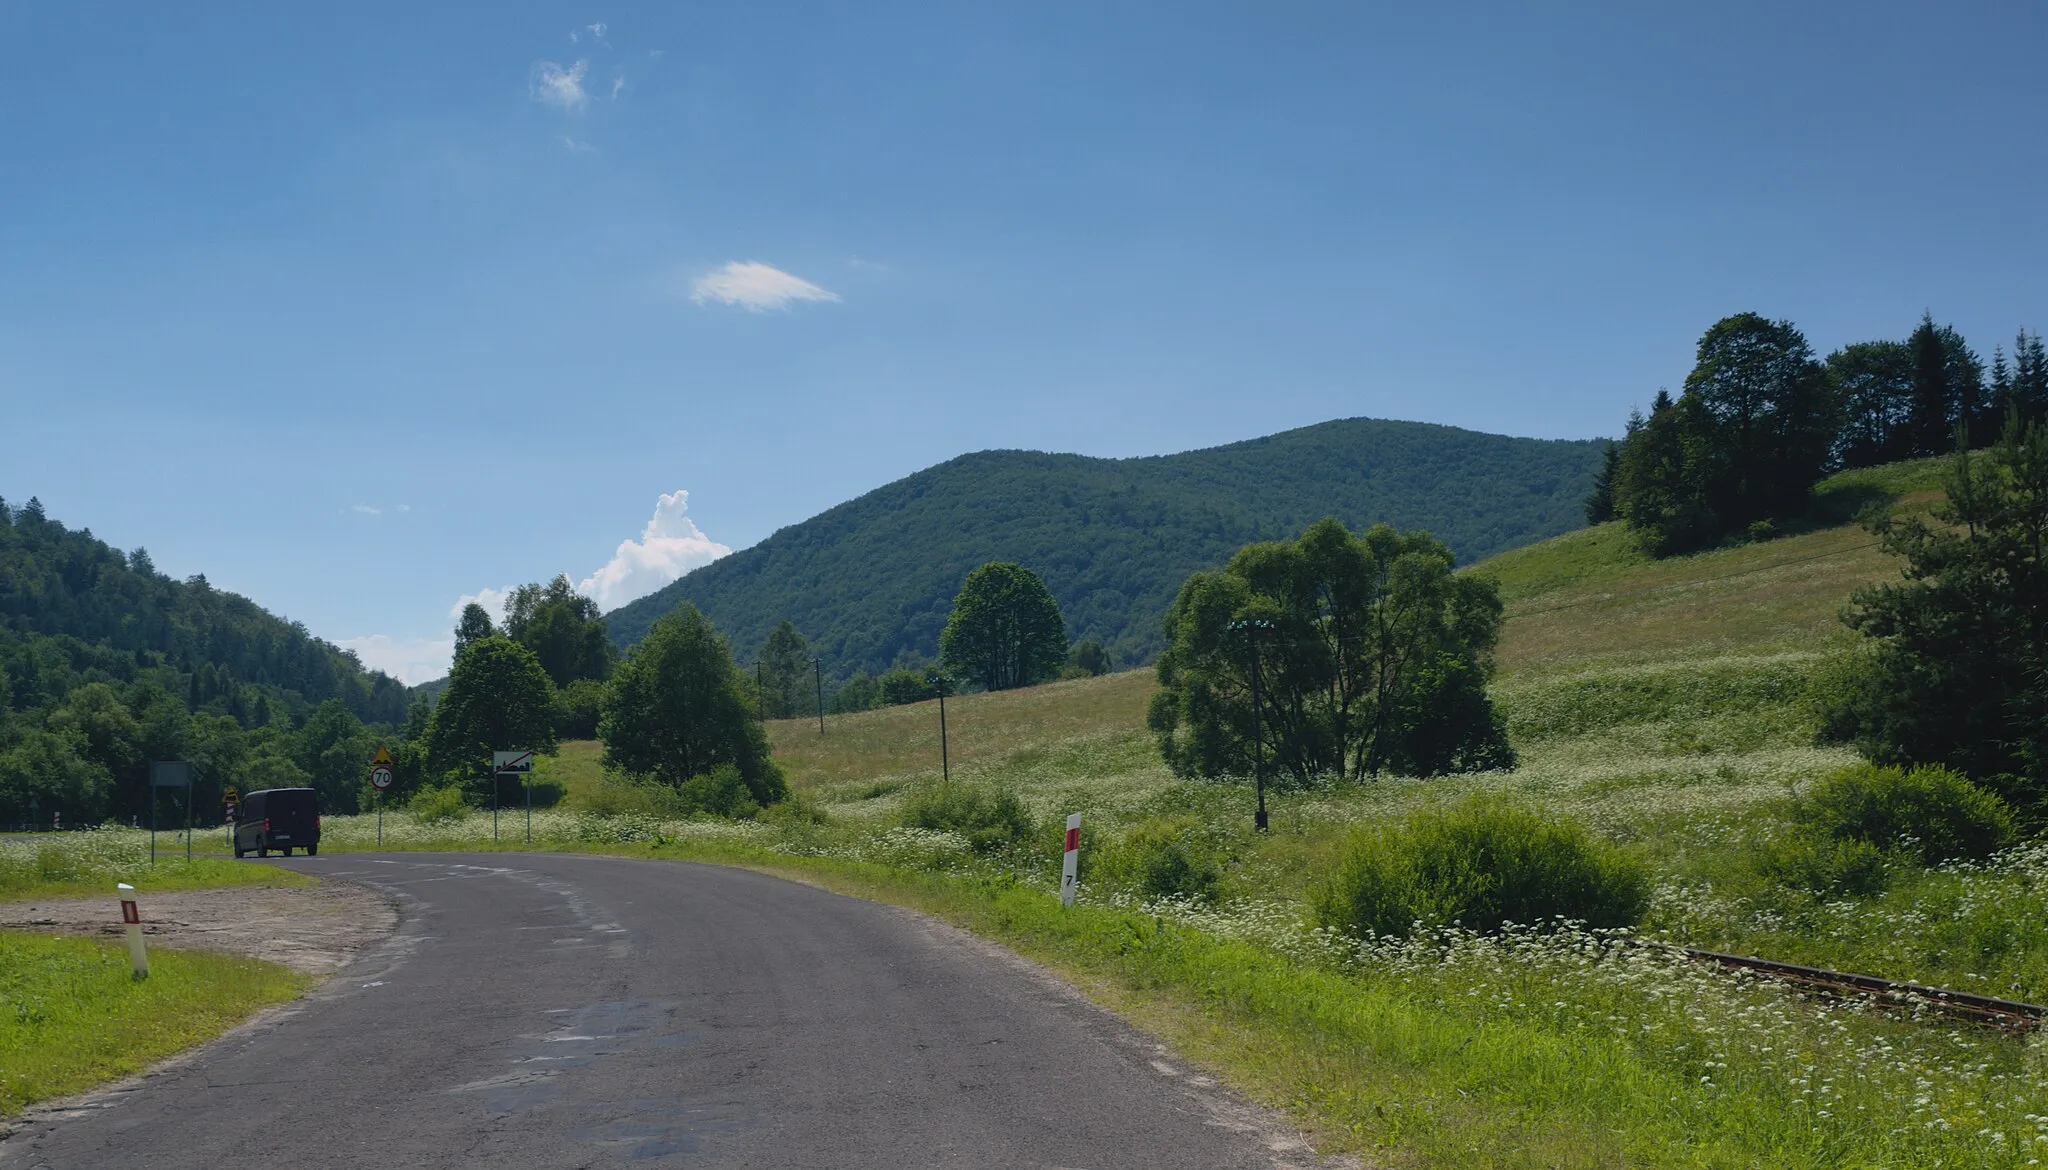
<point x="869" y="580"/>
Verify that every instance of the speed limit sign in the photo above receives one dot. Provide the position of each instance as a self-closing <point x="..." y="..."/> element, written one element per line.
<point x="380" y="778"/>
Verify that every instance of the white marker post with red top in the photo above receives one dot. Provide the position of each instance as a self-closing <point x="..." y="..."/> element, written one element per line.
<point x="132" y="919"/>
<point x="1070" y="865"/>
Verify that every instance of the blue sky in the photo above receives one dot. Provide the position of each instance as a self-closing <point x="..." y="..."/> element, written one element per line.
<point x="362" y="311"/>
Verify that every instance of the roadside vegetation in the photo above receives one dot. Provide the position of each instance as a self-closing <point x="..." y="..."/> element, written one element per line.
<point x="73" y="1016"/>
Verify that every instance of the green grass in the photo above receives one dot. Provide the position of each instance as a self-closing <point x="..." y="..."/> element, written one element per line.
<point x="72" y="1016"/>
<point x="1664" y="704"/>
<point x="59" y="864"/>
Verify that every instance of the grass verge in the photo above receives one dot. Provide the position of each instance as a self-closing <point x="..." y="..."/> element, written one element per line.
<point x="72" y="1016"/>
<point x="91" y="862"/>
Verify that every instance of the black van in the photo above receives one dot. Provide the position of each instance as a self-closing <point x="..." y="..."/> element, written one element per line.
<point x="278" y="818"/>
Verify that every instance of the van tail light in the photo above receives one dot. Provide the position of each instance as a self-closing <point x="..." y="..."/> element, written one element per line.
<point x="266" y="824"/>
<point x="316" y="821"/>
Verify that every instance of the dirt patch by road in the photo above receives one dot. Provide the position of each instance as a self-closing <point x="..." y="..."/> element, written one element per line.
<point x="316" y="929"/>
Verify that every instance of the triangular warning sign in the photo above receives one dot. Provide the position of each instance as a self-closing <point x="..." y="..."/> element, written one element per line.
<point x="383" y="758"/>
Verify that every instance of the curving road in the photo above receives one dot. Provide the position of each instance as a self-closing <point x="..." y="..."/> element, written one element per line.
<point x="568" y="1011"/>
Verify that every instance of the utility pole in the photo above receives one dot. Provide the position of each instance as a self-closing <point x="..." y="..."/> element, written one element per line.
<point x="940" y="683"/>
<point x="760" y="695"/>
<point x="818" y="674"/>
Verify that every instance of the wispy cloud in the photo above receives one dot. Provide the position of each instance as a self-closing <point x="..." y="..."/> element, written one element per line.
<point x="755" y="286"/>
<point x="576" y="146"/>
<point x="618" y="83"/>
<point x="596" y="31"/>
<point x="669" y="546"/>
<point x="411" y="661"/>
<point x="555" y="85"/>
<point x="366" y="510"/>
<point x="405" y="507"/>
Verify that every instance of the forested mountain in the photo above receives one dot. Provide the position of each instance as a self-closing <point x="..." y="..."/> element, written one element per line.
<point x="869" y="582"/>
<point x="106" y="664"/>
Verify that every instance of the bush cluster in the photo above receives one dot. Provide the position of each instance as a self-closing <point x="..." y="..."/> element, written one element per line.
<point x="1851" y="826"/>
<point x="1480" y="865"/>
<point x="1162" y="857"/>
<point x="988" y="818"/>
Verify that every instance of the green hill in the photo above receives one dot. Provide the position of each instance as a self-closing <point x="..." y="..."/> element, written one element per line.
<point x="107" y="664"/>
<point x="870" y="582"/>
<point x="74" y="610"/>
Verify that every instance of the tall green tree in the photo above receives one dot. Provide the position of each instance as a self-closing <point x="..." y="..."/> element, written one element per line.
<point x="1948" y="390"/>
<point x="1875" y="382"/>
<point x="787" y="684"/>
<point x="1005" y="629"/>
<point x="563" y="629"/>
<point x="1368" y="653"/>
<point x="1600" y="504"/>
<point x="1957" y="672"/>
<point x="1744" y="443"/>
<point x="474" y="624"/>
<point x="1762" y="414"/>
<point x="498" y="699"/>
<point x="678" y="709"/>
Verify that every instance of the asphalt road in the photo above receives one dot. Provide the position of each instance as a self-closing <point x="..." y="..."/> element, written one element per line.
<point x="564" y="1011"/>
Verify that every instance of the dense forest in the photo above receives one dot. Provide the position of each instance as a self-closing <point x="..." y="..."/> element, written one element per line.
<point x="1761" y="419"/>
<point x="107" y="664"/>
<point x="870" y="582"/>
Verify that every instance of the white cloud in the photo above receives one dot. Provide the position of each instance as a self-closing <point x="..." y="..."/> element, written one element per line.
<point x="755" y="286"/>
<point x="411" y="661"/>
<point x="597" y="30"/>
<point x="366" y="510"/>
<point x="670" y="546"/>
<point x="554" y="85"/>
<point x="405" y="507"/>
<point x="493" y="601"/>
<point x="576" y="147"/>
<point x="618" y="83"/>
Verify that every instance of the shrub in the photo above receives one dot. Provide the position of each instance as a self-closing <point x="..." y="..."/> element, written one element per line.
<point x="989" y="819"/>
<point x="1826" y="866"/>
<point x="620" y="795"/>
<point x="1929" y="813"/>
<point x="1164" y="857"/>
<point x="721" y="792"/>
<point x="438" y="806"/>
<point x="1481" y="865"/>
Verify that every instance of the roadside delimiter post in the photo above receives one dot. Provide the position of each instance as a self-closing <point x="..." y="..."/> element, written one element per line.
<point x="131" y="919"/>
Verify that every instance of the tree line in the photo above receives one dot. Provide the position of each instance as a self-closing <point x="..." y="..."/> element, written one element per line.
<point x="1760" y="420"/>
<point x="107" y="664"/>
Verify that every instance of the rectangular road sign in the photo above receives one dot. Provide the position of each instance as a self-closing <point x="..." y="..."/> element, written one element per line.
<point x="170" y="774"/>
<point x="511" y="763"/>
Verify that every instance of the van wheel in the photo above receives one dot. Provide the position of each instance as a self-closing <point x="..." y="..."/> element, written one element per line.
<point x="239" y="851"/>
<point x="312" y="851"/>
<point x="262" y="852"/>
<point x="285" y="852"/>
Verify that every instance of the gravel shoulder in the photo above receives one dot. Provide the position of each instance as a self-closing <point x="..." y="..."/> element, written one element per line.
<point x="317" y="930"/>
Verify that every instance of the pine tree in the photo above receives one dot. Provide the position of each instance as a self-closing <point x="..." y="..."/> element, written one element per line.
<point x="1600" y="505"/>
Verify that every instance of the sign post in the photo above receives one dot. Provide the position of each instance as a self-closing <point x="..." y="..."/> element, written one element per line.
<point x="518" y="764"/>
<point x="1070" y="864"/>
<point x="231" y="810"/>
<point x="381" y="776"/>
<point x="170" y="774"/>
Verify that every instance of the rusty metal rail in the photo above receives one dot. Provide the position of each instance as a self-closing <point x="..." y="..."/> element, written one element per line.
<point x="1982" y="1009"/>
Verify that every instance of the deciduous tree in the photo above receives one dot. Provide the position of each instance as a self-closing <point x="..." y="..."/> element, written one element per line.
<point x="677" y="709"/>
<point x="1005" y="629"/>
<point x="498" y="699"/>
<point x="1372" y="656"/>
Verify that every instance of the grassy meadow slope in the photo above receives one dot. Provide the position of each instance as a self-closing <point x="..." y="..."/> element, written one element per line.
<point x="873" y="578"/>
<point x="1663" y="704"/>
